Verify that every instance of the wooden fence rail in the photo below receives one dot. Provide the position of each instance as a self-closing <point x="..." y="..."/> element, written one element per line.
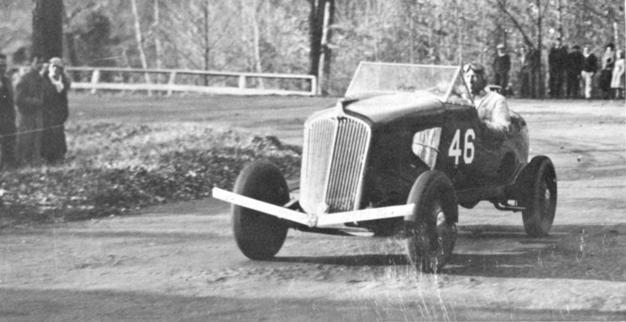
<point x="184" y="80"/>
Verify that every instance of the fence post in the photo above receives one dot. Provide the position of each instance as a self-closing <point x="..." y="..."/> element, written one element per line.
<point x="171" y="83"/>
<point x="95" y="78"/>
<point x="314" y="86"/>
<point x="242" y="81"/>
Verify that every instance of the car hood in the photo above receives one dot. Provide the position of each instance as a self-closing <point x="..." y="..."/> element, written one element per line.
<point x="390" y="107"/>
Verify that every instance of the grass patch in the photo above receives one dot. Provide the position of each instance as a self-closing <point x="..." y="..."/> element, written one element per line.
<point x="113" y="168"/>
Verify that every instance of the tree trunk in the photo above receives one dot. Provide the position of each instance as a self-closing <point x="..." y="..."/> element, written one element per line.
<point x="459" y="31"/>
<point x="206" y="50"/>
<point x="320" y="52"/>
<point x="321" y="74"/>
<point x="256" y="40"/>
<point x="139" y="39"/>
<point x="412" y="34"/>
<point x="541" y="83"/>
<point x="559" y="18"/>
<point x="315" y="36"/>
<point x="47" y="29"/>
<point x="156" y="30"/>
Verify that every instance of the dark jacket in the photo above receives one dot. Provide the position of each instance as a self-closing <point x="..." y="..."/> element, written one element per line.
<point x="575" y="62"/>
<point x="7" y="108"/>
<point x="502" y="64"/>
<point x="590" y="64"/>
<point x="557" y="59"/>
<point x="55" y="104"/>
<point x="29" y="93"/>
<point x="55" y="113"/>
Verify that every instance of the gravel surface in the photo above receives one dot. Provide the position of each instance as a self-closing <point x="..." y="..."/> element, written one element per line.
<point x="179" y="261"/>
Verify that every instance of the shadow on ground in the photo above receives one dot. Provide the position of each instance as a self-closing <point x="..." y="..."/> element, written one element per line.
<point x="570" y="251"/>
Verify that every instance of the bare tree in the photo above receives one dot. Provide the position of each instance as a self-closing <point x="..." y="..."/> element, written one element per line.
<point x="206" y="41"/>
<point x="155" y="30"/>
<point x="321" y="17"/>
<point x="535" y="14"/>
<point x="139" y="39"/>
<point x="256" y="36"/>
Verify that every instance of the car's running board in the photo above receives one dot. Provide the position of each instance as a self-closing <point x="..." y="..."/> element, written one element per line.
<point x="477" y="194"/>
<point x="314" y="220"/>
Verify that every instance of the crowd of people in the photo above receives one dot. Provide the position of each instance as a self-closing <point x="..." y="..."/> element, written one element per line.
<point x="571" y="73"/>
<point x="33" y="110"/>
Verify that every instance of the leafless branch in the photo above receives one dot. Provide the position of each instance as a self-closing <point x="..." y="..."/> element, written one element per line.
<point x="527" y="40"/>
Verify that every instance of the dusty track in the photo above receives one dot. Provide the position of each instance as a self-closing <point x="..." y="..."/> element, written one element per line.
<point x="179" y="261"/>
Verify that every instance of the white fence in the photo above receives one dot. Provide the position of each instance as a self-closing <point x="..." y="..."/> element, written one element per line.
<point x="180" y="80"/>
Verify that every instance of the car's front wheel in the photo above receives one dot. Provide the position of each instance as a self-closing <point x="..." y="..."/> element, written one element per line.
<point x="431" y="229"/>
<point x="540" y="189"/>
<point x="258" y="235"/>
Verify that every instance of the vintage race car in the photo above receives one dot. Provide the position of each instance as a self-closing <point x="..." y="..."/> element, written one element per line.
<point x="395" y="157"/>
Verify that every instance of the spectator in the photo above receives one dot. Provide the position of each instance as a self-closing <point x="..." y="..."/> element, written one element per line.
<point x="7" y="118"/>
<point x="29" y="101"/>
<point x="55" y="111"/>
<point x="501" y="67"/>
<point x="534" y="65"/>
<point x="590" y="66"/>
<point x="608" y="62"/>
<point x="574" y="67"/>
<point x="617" y="82"/>
<point x="557" y="59"/>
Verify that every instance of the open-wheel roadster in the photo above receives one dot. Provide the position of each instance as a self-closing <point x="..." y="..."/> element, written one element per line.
<point x="395" y="157"/>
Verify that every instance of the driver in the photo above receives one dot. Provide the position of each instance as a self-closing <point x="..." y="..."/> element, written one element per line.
<point x="491" y="106"/>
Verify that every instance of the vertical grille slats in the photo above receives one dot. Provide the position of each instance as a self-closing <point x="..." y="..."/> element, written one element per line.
<point x="314" y="161"/>
<point x="334" y="182"/>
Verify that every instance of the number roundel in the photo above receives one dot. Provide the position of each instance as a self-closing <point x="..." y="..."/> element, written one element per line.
<point x="462" y="150"/>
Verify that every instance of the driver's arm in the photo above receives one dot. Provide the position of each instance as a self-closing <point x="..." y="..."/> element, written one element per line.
<point x="500" y="118"/>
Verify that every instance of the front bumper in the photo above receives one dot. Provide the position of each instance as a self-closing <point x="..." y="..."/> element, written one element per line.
<point x="311" y="219"/>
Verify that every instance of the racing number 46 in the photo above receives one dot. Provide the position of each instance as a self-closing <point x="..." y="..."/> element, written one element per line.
<point x="463" y="149"/>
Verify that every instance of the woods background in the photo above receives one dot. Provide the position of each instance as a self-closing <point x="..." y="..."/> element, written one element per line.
<point x="290" y="36"/>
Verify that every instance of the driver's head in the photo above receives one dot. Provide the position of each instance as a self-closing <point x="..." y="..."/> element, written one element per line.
<point x="475" y="78"/>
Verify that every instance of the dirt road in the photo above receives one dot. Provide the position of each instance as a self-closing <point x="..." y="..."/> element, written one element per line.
<point x="180" y="262"/>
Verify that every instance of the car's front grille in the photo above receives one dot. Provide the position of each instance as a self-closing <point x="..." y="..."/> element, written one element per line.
<point x="333" y="164"/>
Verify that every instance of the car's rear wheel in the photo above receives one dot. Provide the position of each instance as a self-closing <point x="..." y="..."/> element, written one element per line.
<point x="260" y="236"/>
<point x="540" y="195"/>
<point x="431" y="229"/>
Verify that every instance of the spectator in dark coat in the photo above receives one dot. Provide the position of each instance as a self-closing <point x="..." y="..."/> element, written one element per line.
<point x="29" y="101"/>
<point x="7" y="117"/>
<point x="501" y="67"/>
<point x="534" y="67"/>
<point x="590" y="66"/>
<point x="557" y="60"/>
<point x="529" y="61"/>
<point x="55" y="112"/>
<point x="574" y="67"/>
<point x="608" y="62"/>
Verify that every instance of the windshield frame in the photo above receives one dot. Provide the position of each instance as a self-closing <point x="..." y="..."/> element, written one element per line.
<point x="445" y="96"/>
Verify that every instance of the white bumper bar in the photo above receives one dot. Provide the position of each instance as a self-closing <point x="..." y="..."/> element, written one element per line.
<point x="313" y="220"/>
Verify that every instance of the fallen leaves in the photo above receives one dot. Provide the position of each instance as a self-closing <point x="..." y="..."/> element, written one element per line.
<point x="113" y="168"/>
